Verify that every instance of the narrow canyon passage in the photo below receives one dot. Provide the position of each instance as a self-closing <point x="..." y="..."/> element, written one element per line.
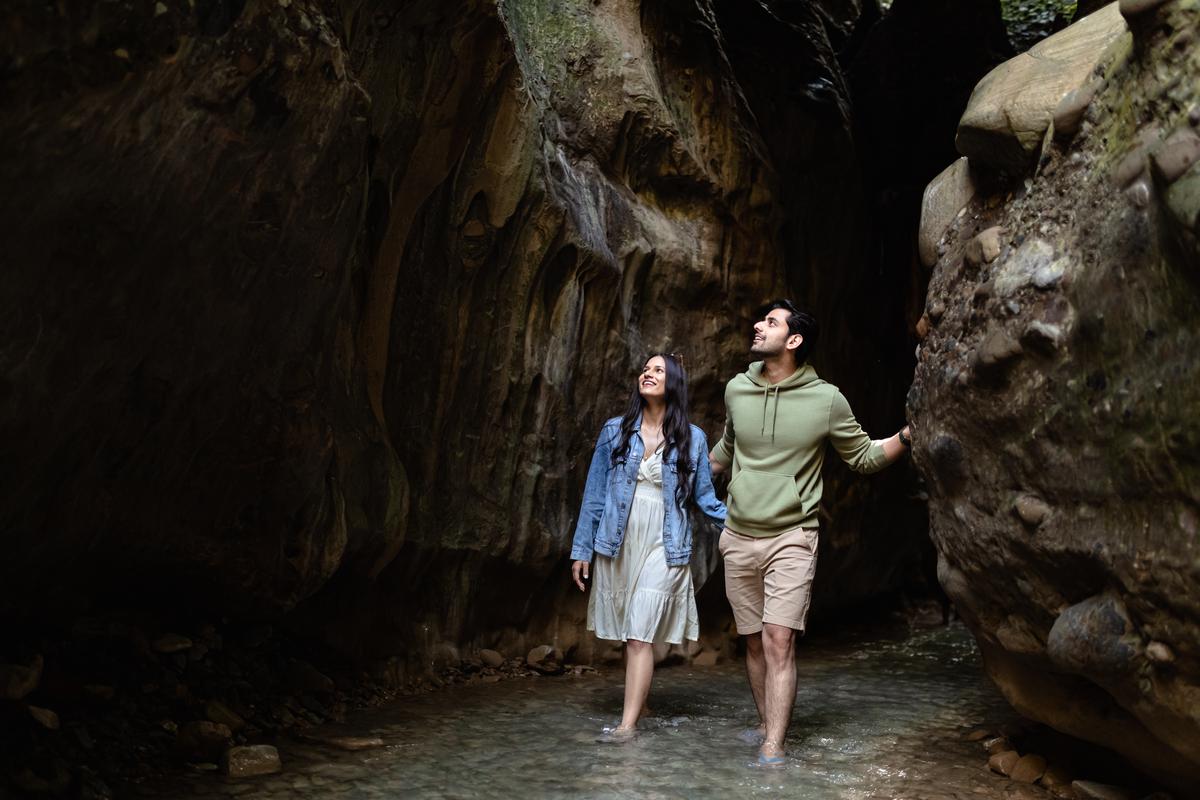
<point x="312" y="311"/>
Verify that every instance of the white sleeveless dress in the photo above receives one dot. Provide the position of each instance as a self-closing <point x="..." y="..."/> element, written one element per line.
<point x="636" y="595"/>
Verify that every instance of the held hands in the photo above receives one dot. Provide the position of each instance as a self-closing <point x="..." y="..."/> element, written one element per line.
<point x="578" y="569"/>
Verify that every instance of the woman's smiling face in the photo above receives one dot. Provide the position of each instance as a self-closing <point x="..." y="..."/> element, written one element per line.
<point x="652" y="383"/>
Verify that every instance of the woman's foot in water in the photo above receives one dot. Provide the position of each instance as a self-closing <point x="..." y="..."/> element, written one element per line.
<point x="617" y="735"/>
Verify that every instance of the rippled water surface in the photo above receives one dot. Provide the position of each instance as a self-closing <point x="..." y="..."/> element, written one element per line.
<point x="876" y="716"/>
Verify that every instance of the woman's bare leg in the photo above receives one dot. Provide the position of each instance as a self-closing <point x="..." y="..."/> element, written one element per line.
<point x="639" y="669"/>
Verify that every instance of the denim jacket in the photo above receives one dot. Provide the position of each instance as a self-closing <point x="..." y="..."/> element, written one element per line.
<point x="608" y="495"/>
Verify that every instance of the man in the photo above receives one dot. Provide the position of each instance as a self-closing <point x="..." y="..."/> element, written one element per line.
<point x="779" y="415"/>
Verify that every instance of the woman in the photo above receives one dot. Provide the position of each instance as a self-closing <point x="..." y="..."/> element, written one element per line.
<point x="649" y="466"/>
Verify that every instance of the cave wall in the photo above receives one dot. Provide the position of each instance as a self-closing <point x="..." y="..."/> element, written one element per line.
<point x="314" y="308"/>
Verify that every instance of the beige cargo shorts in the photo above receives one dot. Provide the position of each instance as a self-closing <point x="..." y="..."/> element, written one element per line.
<point x="769" y="579"/>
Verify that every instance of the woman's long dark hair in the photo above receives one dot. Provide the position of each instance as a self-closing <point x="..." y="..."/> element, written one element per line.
<point x="676" y="430"/>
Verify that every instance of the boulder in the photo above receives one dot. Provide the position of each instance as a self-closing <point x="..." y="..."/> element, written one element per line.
<point x="1011" y="108"/>
<point x="1002" y="763"/>
<point x="491" y="658"/>
<point x="944" y="197"/>
<point x="1028" y="769"/>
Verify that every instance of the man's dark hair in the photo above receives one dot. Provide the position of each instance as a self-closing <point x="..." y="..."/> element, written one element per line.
<point x="798" y="321"/>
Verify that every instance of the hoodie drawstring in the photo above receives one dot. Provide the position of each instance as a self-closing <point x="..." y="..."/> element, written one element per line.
<point x="775" y="414"/>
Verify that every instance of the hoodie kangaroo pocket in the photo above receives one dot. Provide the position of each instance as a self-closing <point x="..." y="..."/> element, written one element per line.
<point x="765" y="497"/>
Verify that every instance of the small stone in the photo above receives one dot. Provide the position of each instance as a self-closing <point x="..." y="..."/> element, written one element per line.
<point x="1091" y="790"/>
<point x="936" y="310"/>
<point x="474" y="229"/>
<point x="1055" y="775"/>
<point x="1133" y="8"/>
<point x="216" y="711"/>
<point x="1177" y="154"/>
<point x="539" y="655"/>
<point x="159" y="9"/>
<point x="1004" y="762"/>
<point x="491" y="658"/>
<point x="997" y="744"/>
<point x="1028" y="769"/>
<point x="1194" y="116"/>
<point x="984" y="248"/>
<point x="45" y="717"/>
<point x="171" y="643"/>
<point x="121" y="53"/>
<point x="978" y="735"/>
<point x="998" y="348"/>
<point x="923" y="327"/>
<point x="1032" y="510"/>
<point x="17" y="680"/>
<point x="1159" y="653"/>
<point x="249" y="760"/>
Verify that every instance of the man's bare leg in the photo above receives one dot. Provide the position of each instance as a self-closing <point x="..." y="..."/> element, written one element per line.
<point x="756" y="673"/>
<point x="779" y="654"/>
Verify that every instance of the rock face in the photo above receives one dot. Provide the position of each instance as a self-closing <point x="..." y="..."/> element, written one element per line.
<point x="1011" y="108"/>
<point x="1054" y="405"/>
<point x="317" y="312"/>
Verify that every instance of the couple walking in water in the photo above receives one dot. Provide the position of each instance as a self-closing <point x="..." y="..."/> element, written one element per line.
<point x="650" y="466"/>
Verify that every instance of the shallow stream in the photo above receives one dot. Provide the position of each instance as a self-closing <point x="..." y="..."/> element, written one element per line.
<point x="877" y="716"/>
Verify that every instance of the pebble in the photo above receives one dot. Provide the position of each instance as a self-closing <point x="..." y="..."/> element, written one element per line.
<point x="1177" y="154"/>
<point x="1139" y="193"/>
<point x="923" y="327"/>
<point x="1003" y="763"/>
<point x="1159" y="653"/>
<point x="491" y="658"/>
<point x="997" y="744"/>
<point x="249" y="760"/>
<point x="171" y="643"/>
<point x="1032" y="510"/>
<point x="1048" y="276"/>
<point x="984" y="248"/>
<point x="997" y="348"/>
<point x="1091" y="790"/>
<point x="45" y="717"/>
<point x="1055" y="775"/>
<point x="1028" y="769"/>
<point x="540" y="656"/>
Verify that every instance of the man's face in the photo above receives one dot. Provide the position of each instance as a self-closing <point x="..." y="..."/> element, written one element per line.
<point x="771" y="335"/>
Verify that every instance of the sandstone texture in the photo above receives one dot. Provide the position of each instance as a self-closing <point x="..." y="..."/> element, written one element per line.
<point x="1012" y="107"/>
<point x="315" y="309"/>
<point x="1055" y="404"/>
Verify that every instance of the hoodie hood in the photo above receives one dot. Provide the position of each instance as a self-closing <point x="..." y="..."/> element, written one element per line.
<point x="803" y="376"/>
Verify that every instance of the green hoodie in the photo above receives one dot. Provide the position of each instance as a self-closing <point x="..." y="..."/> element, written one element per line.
<point x="775" y="441"/>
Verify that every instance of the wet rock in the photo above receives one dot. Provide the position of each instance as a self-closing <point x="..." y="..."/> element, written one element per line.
<point x="17" y="680"/>
<point x="945" y="196"/>
<point x="541" y="657"/>
<point x="984" y="248"/>
<point x="45" y="717"/>
<point x="202" y="740"/>
<point x="250" y="760"/>
<point x="1012" y="107"/>
<point x="1003" y="762"/>
<point x="1032" y="510"/>
<point x="1091" y="790"/>
<point x="218" y="712"/>
<point x="491" y="658"/>
<point x="170" y="643"/>
<point x="1028" y="769"/>
<point x="1093" y="637"/>
<point x="1176" y="155"/>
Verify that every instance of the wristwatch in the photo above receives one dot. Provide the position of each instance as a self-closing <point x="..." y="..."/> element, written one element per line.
<point x="904" y="440"/>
